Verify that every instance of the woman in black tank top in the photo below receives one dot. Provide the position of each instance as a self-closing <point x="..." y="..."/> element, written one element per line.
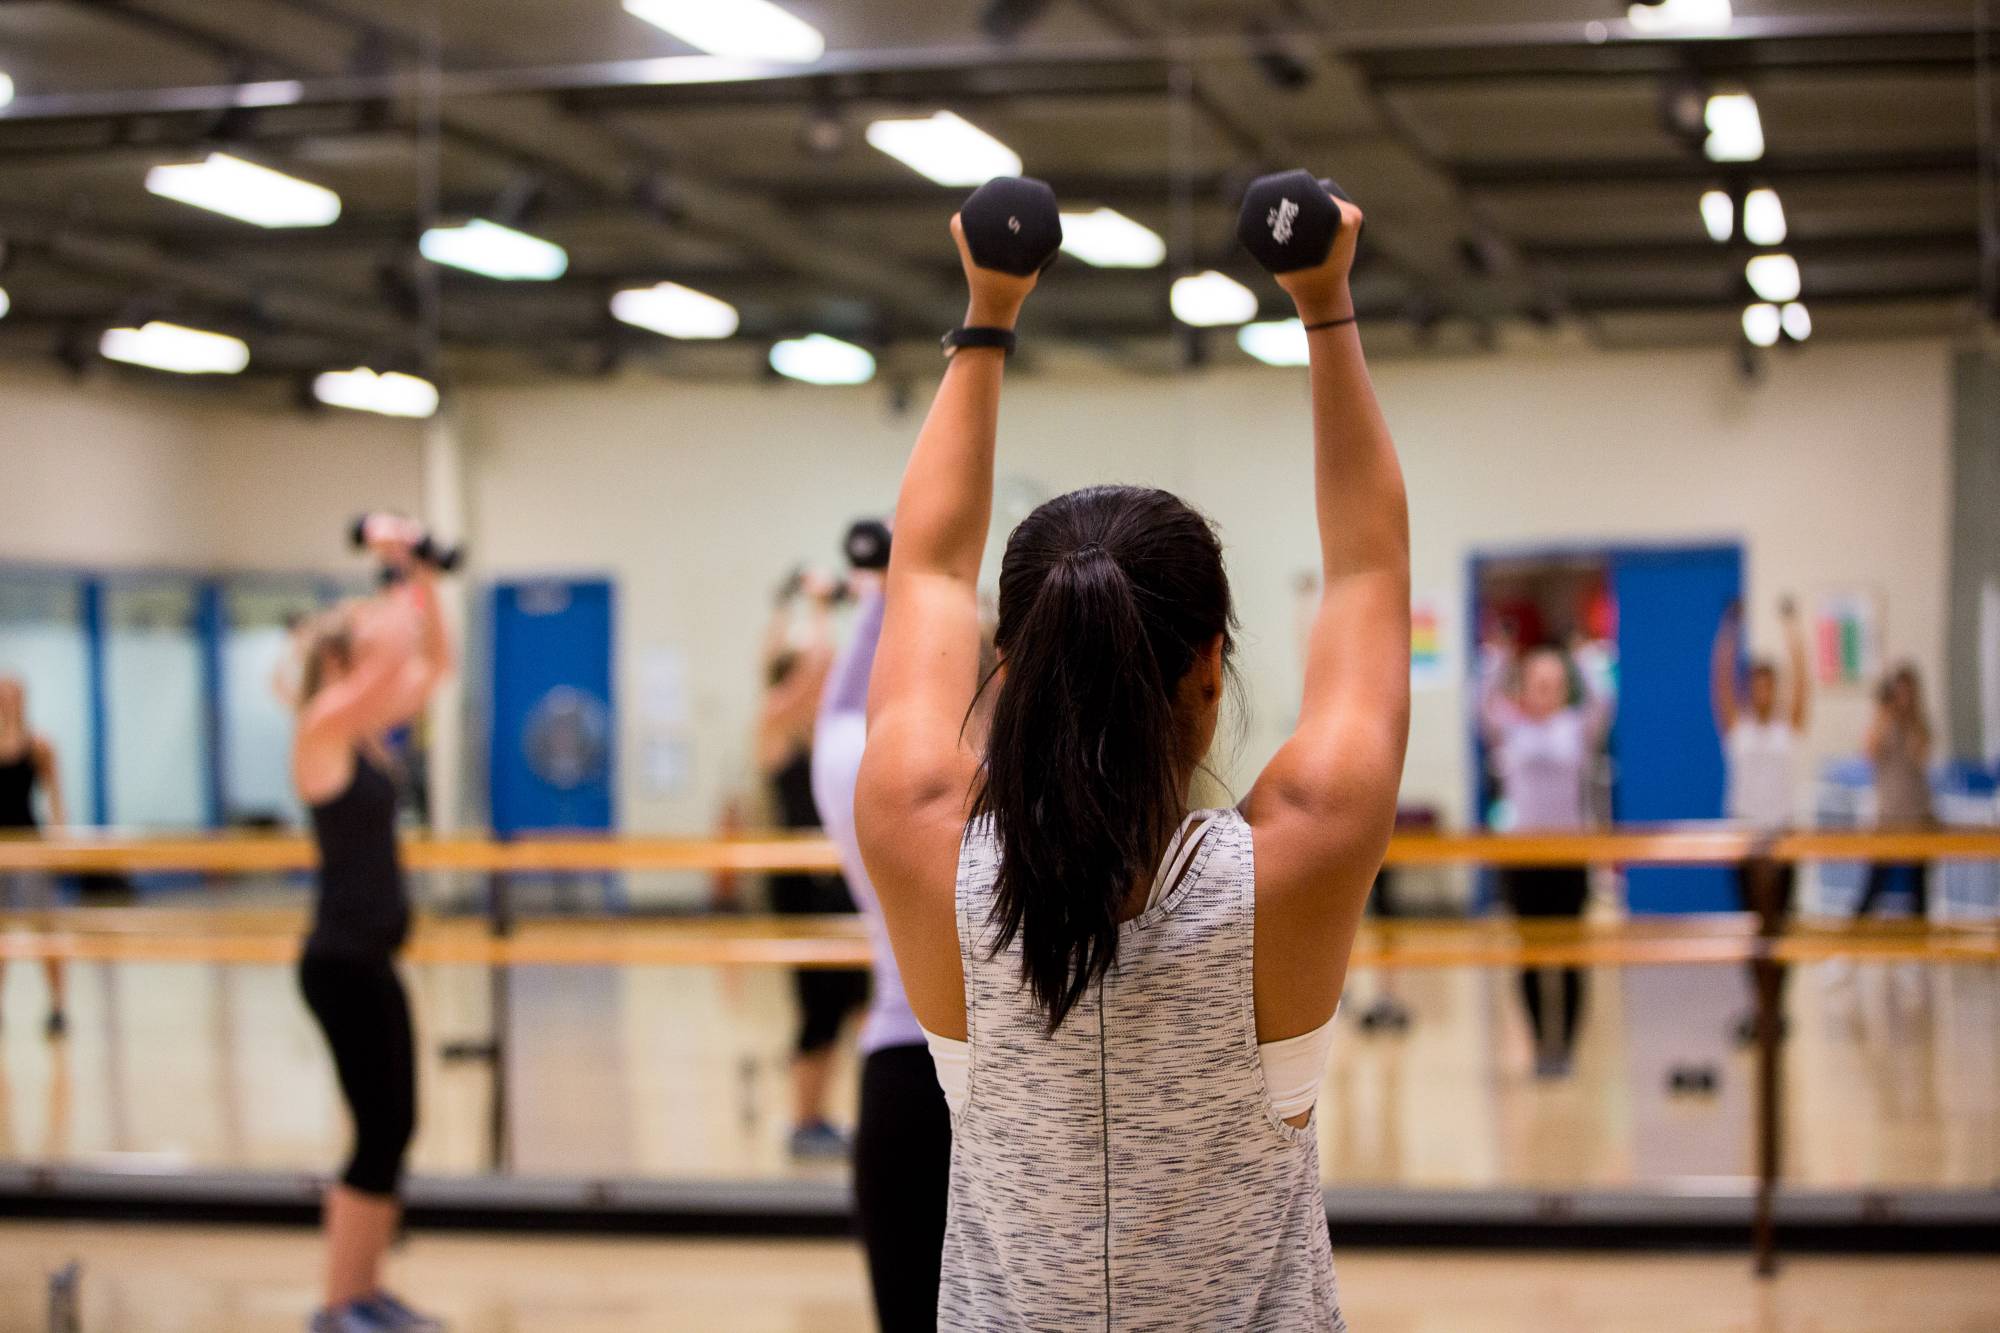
<point x="366" y="668"/>
<point x="28" y="761"/>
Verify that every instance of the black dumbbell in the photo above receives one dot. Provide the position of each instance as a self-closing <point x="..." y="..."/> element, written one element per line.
<point x="1684" y="1080"/>
<point x="1289" y="221"/>
<point x="1012" y="225"/>
<point x="426" y="548"/>
<point x="867" y="544"/>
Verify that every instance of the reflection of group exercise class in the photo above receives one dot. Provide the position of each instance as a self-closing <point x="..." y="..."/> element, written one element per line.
<point x="1012" y="665"/>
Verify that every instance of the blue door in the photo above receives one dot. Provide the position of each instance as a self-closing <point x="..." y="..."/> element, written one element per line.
<point x="1667" y="756"/>
<point x="554" y="733"/>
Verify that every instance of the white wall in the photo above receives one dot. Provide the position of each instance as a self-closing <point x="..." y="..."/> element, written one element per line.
<point x="100" y="473"/>
<point x="1833" y="472"/>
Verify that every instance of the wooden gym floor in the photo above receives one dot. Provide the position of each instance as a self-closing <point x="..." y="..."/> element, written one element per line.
<point x="160" y="1280"/>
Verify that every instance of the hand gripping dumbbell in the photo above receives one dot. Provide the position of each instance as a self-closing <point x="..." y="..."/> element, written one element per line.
<point x="370" y="528"/>
<point x="1289" y="220"/>
<point x="1012" y="225"/>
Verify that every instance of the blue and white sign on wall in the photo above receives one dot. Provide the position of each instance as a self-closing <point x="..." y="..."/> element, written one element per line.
<point x="554" y="735"/>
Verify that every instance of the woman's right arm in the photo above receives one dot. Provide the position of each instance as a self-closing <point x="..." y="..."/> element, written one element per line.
<point x="917" y="773"/>
<point x="1323" y="808"/>
<point x="393" y="671"/>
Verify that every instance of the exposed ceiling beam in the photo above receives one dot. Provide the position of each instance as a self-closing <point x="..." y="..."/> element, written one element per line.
<point x="1692" y="169"/>
<point x="1654" y="303"/>
<point x="978" y="58"/>
<point x="1420" y="63"/>
<point x="289" y="303"/>
<point x="1930" y="245"/>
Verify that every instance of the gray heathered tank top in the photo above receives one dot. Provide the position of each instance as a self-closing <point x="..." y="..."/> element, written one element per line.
<point x="1129" y="1172"/>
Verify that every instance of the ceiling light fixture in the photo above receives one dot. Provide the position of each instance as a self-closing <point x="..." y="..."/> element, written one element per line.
<point x="1762" y="325"/>
<point x="1798" y="322"/>
<point x="738" y="29"/>
<point x="1278" y="342"/>
<point x="1763" y="218"/>
<point x="1735" y="131"/>
<point x="675" y="311"/>
<point x="945" y="147"/>
<point x="392" y="394"/>
<point x="173" y="347"/>
<point x="1773" y="277"/>
<point x="495" y="251"/>
<point x="245" y="191"/>
<point x="1680" y="18"/>
<point x="819" y="359"/>
<point x="1718" y="214"/>
<point x="1209" y="299"/>
<point x="1106" y="238"/>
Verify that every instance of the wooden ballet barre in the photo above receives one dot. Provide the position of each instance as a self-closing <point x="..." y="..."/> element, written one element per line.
<point x="1860" y="845"/>
<point x="273" y="936"/>
<point x="233" y="853"/>
<point x="1713" y="844"/>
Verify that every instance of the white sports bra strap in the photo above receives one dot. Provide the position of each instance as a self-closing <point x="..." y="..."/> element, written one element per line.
<point x="1179" y="852"/>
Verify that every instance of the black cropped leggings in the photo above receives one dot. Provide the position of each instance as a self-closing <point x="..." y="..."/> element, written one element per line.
<point x="827" y="995"/>
<point x="361" y="1007"/>
<point x="1555" y="891"/>
<point x="902" y="1175"/>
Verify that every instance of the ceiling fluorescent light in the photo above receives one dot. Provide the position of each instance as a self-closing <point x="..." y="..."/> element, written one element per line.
<point x="945" y="147"/>
<point x="1773" y="277"/>
<point x="675" y="311"/>
<point x="818" y="359"/>
<point x="243" y="190"/>
<point x="1681" y="17"/>
<point x="1735" y="131"/>
<point x="741" y="29"/>
<point x="1278" y="342"/>
<point x="1718" y="214"/>
<point x="1763" y="218"/>
<point x="1798" y="322"/>
<point x="6" y="303"/>
<point x="1107" y="238"/>
<point x="184" y="351"/>
<point x="271" y="92"/>
<point x="6" y="89"/>
<point x="1209" y="299"/>
<point x="500" y="252"/>
<point x="1761" y="325"/>
<point x="391" y="395"/>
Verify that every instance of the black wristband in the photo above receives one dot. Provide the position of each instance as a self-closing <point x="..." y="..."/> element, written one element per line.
<point x="1332" y="323"/>
<point x="979" y="336"/>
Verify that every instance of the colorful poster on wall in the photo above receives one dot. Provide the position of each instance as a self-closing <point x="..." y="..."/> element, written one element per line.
<point x="1427" y="666"/>
<point x="1847" y="637"/>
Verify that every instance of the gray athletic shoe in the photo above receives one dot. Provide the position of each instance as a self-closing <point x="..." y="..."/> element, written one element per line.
<point x="354" y="1317"/>
<point x="818" y="1141"/>
<point x="398" y="1317"/>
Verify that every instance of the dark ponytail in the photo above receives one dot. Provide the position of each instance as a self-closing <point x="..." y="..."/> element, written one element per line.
<point x="1107" y="598"/>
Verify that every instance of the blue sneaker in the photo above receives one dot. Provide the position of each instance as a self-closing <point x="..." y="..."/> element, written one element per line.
<point x="353" y="1317"/>
<point x="818" y="1140"/>
<point x="392" y="1314"/>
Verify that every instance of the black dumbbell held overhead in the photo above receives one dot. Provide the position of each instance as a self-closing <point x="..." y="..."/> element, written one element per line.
<point x="1289" y="221"/>
<point x="867" y="544"/>
<point x="1012" y="225"/>
<point x="425" y="548"/>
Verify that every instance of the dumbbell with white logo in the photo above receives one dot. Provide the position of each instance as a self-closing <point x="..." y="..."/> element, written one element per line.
<point x="1289" y="220"/>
